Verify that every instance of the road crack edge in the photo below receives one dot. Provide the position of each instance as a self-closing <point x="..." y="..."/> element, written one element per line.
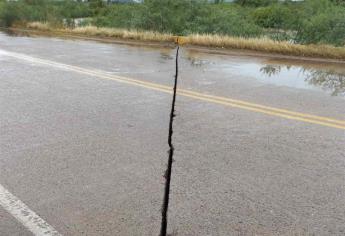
<point x="168" y="171"/>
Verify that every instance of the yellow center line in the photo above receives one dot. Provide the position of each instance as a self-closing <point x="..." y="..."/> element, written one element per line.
<point x="278" y="112"/>
<point x="304" y="115"/>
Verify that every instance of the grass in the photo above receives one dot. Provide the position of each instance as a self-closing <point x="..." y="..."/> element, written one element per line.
<point x="206" y="40"/>
<point x="106" y="32"/>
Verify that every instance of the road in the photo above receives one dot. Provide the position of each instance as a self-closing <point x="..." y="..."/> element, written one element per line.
<point x="259" y="142"/>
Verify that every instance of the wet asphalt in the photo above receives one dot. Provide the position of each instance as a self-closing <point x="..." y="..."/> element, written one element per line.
<point x="88" y="155"/>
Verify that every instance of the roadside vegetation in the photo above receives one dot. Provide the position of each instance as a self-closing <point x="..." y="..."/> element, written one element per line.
<point x="308" y="28"/>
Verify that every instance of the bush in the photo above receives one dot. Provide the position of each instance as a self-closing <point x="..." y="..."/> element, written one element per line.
<point x="9" y="13"/>
<point x="314" y="7"/>
<point x="172" y="16"/>
<point x="255" y="3"/>
<point x="41" y="10"/>
<point x="322" y="22"/>
<point x="179" y="17"/>
<point x="120" y="16"/>
<point x="227" y="22"/>
<point x="324" y="28"/>
<point x="73" y="9"/>
<point x="274" y="16"/>
<point x="310" y="21"/>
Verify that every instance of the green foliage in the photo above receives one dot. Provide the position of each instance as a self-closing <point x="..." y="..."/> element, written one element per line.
<point x="273" y="16"/>
<point x="322" y="21"/>
<point x="255" y="3"/>
<point x="41" y="10"/>
<point x="324" y="28"/>
<point x="339" y="2"/>
<point x="24" y="11"/>
<point x="312" y="7"/>
<point x="179" y="17"/>
<point x="169" y="15"/>
<point x="96" y="6"/>
<point x="8" y="14"/>
<point x="227" y="21"/>
<point x="119" y="16"/>
<point x="73" y="9"/>
<point x="310" y="21"/>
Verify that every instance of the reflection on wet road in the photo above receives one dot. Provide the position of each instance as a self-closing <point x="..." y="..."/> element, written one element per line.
<point x="329" y="79"/>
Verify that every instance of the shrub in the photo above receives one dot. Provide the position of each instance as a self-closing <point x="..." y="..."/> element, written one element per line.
<point x="324" y="28"/>
<point x="119" y="16"/>
<point x="274" y="16"/>
<point x="310" y="21"/>
<point x="180" y="17"/>
<point x="9" y="13"/>
<point x="227" y="22"/>
<point x="41" y="10"/>
<point x="255" y="3"/>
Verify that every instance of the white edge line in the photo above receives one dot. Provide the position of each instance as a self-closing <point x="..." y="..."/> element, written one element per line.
<point x="25" y="215"/>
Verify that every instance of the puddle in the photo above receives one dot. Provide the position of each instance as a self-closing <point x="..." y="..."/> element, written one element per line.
<point x="330" y="81"/>
<point x="323" y="77"/>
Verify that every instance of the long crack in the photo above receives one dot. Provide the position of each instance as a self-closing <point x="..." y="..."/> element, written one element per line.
<point x="165" y="206"/>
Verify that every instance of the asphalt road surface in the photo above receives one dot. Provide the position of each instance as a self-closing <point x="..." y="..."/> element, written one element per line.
<point x="259" y="142"/>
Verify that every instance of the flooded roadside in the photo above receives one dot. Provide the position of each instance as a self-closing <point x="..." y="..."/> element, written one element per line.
<point x="320" y="77"/>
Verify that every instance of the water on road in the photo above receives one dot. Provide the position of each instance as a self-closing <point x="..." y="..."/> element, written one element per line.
<point x="259" y="141"/>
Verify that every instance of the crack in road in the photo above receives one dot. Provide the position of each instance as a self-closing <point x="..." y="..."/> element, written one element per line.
<point x="168" y="171"/>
